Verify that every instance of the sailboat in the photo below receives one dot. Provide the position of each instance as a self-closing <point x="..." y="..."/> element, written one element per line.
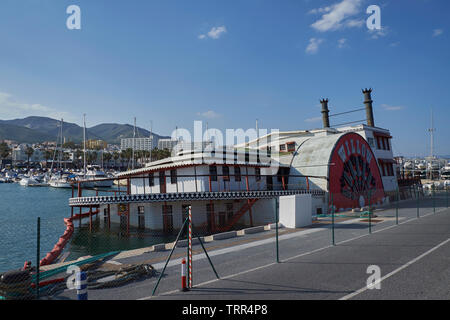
<point x="60" y="180"/>
<point x="93" y="176"/>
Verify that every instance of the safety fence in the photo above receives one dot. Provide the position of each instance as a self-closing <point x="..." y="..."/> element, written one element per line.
<point x="100" y="259"/>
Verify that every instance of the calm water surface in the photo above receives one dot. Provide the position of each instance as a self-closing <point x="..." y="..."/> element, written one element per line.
<point x="19" y="209"/>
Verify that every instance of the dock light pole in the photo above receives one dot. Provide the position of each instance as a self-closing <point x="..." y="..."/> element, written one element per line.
<point x="434" y="200"/>
<point x="38" y="254"/>
<point x="446" y="194"/>
<point x="277" y="218"/>
<point x="370" y="218"/>
<point x="396" y="206"/>
<point x="418" y="202"/>
<point x="332" y="221"/>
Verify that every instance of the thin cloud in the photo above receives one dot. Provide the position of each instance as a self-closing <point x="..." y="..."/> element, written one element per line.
<point x="315" y="119"/>
<point x="210" y="114"/>
<point x="392" y="108"/>
<point x="10" y="108"/>
<point x="342" y="43"/>
<point x="376" y="34"/>
<point x="437" y="32"/>
<point x="336" y="16"/>
<point x="320" y="10"/>
<point x="313" y="45"/>
<point x="214" y="33"/>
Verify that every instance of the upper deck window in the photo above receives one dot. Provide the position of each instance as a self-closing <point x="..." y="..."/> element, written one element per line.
<point x="226" y="173"/>
<point x="290" y="146"/>
<point x="173" y="176"/>
<point x="237" y="173"/>
<point x="213" y="173"/>
<point x="151" y="180"/>
<point x="258" y="174"/>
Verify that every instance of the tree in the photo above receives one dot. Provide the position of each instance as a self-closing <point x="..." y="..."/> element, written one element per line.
<point x="29" y="152"/>
<point x="4" y="150"/>
<point x="107" y="157"/>
<point x="78" y="156"/>
<point x="91" y="157"/>
<point x="47" y="155"/>
<point x="116" y="157"/>
<point x="127" y="155"/>
<point x="69" y="145"/>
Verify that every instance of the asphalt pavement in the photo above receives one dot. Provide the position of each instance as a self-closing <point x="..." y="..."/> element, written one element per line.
<point x="413" y="259"/>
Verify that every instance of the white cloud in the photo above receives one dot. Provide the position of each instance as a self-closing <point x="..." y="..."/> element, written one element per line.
<point x="392" y="108"/>
<point x="376" y="34"/>
<point x="316" y="119"/>
<point x="437" y="32"/>
<point x="214" y="33"/>
<point x="10" y="108"/>
<point x="342" y="43"/>
<point x="355" y="23"/>
<point x="320" y="10"/>
<point x="336" y="16"/>
<point x="210" y="114"/>
<point x="313" y="46"/>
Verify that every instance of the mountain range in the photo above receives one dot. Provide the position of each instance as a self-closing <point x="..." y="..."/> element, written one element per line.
<point x="41" y="129"/>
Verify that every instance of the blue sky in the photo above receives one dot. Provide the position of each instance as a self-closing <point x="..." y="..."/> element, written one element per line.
<point x="229" y="63"/>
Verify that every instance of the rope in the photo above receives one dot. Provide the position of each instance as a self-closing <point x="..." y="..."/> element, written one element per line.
<point x="121" y="277"/>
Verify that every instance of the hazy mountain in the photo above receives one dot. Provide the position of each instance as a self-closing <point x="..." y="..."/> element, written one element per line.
<point x="40" y="129"/>
<point x="113" y="132"/>
<point x="22" y="134"/>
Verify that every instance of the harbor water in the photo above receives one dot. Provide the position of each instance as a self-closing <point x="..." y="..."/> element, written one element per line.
<point x="21" y="206"/>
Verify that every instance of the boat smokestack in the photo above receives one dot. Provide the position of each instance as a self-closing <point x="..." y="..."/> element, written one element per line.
<point x="369" y="110"/>
<point x="325" y="113"/>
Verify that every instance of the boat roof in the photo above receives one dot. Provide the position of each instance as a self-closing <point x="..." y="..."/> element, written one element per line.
<point x="226" y="157"/>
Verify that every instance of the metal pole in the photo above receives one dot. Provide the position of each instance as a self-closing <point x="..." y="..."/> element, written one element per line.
<point x="190" y="283"/>
<point x="418" y="202"/>
<point x="38" y="254"/>
<point x="332" y="220"/>
<point x="433" y="199"/>
<point x="370" y="216"/>
<point x="446" y="193"/>
<point x="396" y="207"/>
<point x="170" y="255"/>
<point x="209" y="259"/>
<point x="277" y="207"/>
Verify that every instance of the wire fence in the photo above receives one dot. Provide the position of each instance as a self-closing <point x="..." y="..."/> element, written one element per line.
<point x="104" y="252"/>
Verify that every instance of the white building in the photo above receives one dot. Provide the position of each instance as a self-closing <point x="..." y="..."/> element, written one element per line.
<point x="138" y="144"/>
<point x="168" y="144"/>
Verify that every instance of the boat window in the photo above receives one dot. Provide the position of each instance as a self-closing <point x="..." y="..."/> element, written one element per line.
<point x="226" y="173"/>
<point x="151" y="179"/>
<point x="237" y="173"/>
<point x="290" y="146"/>
<point x="258" y="174"/>
<point x="173" y="176"/>
<point x="213" y="173"/>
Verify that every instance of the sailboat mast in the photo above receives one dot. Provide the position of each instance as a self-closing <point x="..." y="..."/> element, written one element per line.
<point x="151" y="141"/>
<point x="84" y="144"/>
<point x="134" y="141"/>
<point x="61" y="148"/>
